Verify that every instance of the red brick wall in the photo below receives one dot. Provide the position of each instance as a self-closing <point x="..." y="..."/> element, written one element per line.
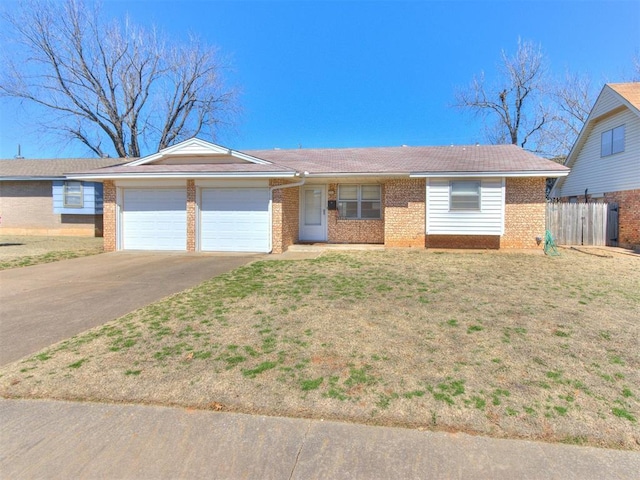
<point x="524" y="212"/>
<point x="109" y="215"/>
<point x="353" y="231"/>
<point x="285" y="211"/>
<point x="628" y="216"/>
<point x="191" y="216"/>
<point x="464" y="241"/>
<point x="405" y="214"/>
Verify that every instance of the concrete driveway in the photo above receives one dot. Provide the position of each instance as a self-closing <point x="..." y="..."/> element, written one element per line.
<point x="45" y="304"/>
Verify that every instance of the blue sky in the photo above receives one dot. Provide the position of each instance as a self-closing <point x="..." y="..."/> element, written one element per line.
<point x="354" y="73"/>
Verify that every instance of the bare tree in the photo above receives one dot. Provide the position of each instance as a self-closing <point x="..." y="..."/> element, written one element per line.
<point x="573" y="97"/>
<point x="113" y="86"/>
<point x="513" y="103"/>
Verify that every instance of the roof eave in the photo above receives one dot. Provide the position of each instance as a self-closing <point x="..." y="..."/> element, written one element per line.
<point x="186" y="175"/>
<point x="507" y="174"/>
<point x="24" y="178"/>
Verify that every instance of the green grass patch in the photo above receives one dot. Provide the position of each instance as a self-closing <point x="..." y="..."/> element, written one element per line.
<point x="263" y="367"/>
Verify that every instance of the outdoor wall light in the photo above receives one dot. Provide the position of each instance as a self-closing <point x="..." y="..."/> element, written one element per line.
<point x="538" y="240"/>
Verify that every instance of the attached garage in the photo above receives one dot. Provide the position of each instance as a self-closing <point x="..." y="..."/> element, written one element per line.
<point x="154" y="219"/>
<point x="234" y="220"/>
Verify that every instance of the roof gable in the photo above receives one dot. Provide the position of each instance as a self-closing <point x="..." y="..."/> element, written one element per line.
<point x="197" y="151"/>
<point x="613" y="98"/>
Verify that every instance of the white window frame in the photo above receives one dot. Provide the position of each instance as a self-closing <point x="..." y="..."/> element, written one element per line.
<point x="465" y="195"/>
<point x="358" y="201"/>
<point x="66" y="194"/>
<point x="609" y="145"/>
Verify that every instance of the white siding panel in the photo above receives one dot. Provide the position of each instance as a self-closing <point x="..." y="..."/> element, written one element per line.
<point x="234" y="220"/>
<point x="607" y="101"/>
<point x="154" y="219"/>
<point x="442" y="221"/>
<point x="612" y="173"/>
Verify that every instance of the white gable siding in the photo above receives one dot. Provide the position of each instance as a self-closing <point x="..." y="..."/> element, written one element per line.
<point x="488" y="221"/>
<point x="620" y="171"/>
<point x="606" y="102"/>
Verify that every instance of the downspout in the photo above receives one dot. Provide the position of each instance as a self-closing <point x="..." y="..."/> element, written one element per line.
<point x="280" y="187"/>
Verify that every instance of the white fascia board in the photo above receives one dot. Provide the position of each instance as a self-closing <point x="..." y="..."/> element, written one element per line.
<point x="368" y="174"/>
<point x="212" y="148"/>
<point x="31" y="179"/>
<point x="546" y="174"/>
<point x="138" y="176"/>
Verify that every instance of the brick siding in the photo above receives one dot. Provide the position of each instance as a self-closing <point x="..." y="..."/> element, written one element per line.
<point x="109" y="215"/>
<point x="26" y="208"/>
<point x="524" y="212"/>
<point x="405" y="213"/>
<point x="191" y="216"/>
<point x="628" y="216"/>
<point x="342" y="230"/>
<point x="285" y="210"/>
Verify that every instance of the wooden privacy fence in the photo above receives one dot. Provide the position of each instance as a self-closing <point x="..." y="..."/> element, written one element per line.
<point x="583" y="223"/>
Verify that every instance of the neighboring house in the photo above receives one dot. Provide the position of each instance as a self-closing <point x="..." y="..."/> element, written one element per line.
<point x="605" y="160"/>
<point x="36" y="198"/>
<point x="197" y="196"/>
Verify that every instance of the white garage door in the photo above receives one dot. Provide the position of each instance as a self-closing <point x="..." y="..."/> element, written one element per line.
<point x="234" y="220"/>
<point x="154" y="219"/>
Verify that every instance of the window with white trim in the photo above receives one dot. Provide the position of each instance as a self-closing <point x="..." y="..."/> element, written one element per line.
<point x="464" y="195"/>
<point x="359" y="201"/>
<point x="612" y="141"/>
<point x="72" y="195"/>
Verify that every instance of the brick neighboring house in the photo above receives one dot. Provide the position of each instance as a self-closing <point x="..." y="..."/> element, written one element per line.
<point x="36" y="198"/>
<point x="197" y="196"/>
<point x="605" y="159"/>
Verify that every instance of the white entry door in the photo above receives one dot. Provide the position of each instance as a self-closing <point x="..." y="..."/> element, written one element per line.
<point x="313" y="213"/>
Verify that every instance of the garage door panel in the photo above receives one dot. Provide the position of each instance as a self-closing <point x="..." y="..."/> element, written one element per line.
<point x="235" y="220"/>
<point x="154" y="219"/>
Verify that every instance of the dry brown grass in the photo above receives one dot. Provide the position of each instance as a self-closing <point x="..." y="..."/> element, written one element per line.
<point x="24" y="251"/>
<point x="507" y="345"/>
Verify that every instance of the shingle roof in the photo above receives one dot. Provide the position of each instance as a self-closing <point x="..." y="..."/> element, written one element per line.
<point x="195" y="168"/>
<point x="629" y="91"/>
<point x="486" y="158"/>
<point x="324" y="161"/>
<point x="49" y="168"/>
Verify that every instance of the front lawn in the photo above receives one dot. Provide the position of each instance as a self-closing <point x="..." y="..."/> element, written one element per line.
<point x="24" y="251"/>
<point x="508" y="345"/>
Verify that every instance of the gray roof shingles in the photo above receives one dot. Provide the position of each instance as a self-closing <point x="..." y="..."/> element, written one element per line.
<point x="481" y="158"/>
<point x="50" y="168"/>
<point x="374" y="160"/>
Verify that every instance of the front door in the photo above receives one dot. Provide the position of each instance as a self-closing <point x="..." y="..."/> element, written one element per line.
<point x="313" y="213"/>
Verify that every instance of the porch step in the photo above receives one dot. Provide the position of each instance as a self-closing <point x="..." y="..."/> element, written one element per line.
<point x="321" y="247"/>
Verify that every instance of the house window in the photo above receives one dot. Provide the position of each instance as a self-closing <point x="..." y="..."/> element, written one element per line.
<point x="359" y="201"/>
<point x="612" y="141"/>
<point x="464" y="195"/>
<point x="72" y="195"/>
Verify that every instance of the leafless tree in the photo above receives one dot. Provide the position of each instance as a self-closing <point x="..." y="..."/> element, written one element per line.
<point x="115" y="87"/>
<point x="513" y="105"/>
<point x="572" y="98"/>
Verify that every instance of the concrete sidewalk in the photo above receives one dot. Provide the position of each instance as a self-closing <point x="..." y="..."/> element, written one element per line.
<point x="47" y="439"/>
